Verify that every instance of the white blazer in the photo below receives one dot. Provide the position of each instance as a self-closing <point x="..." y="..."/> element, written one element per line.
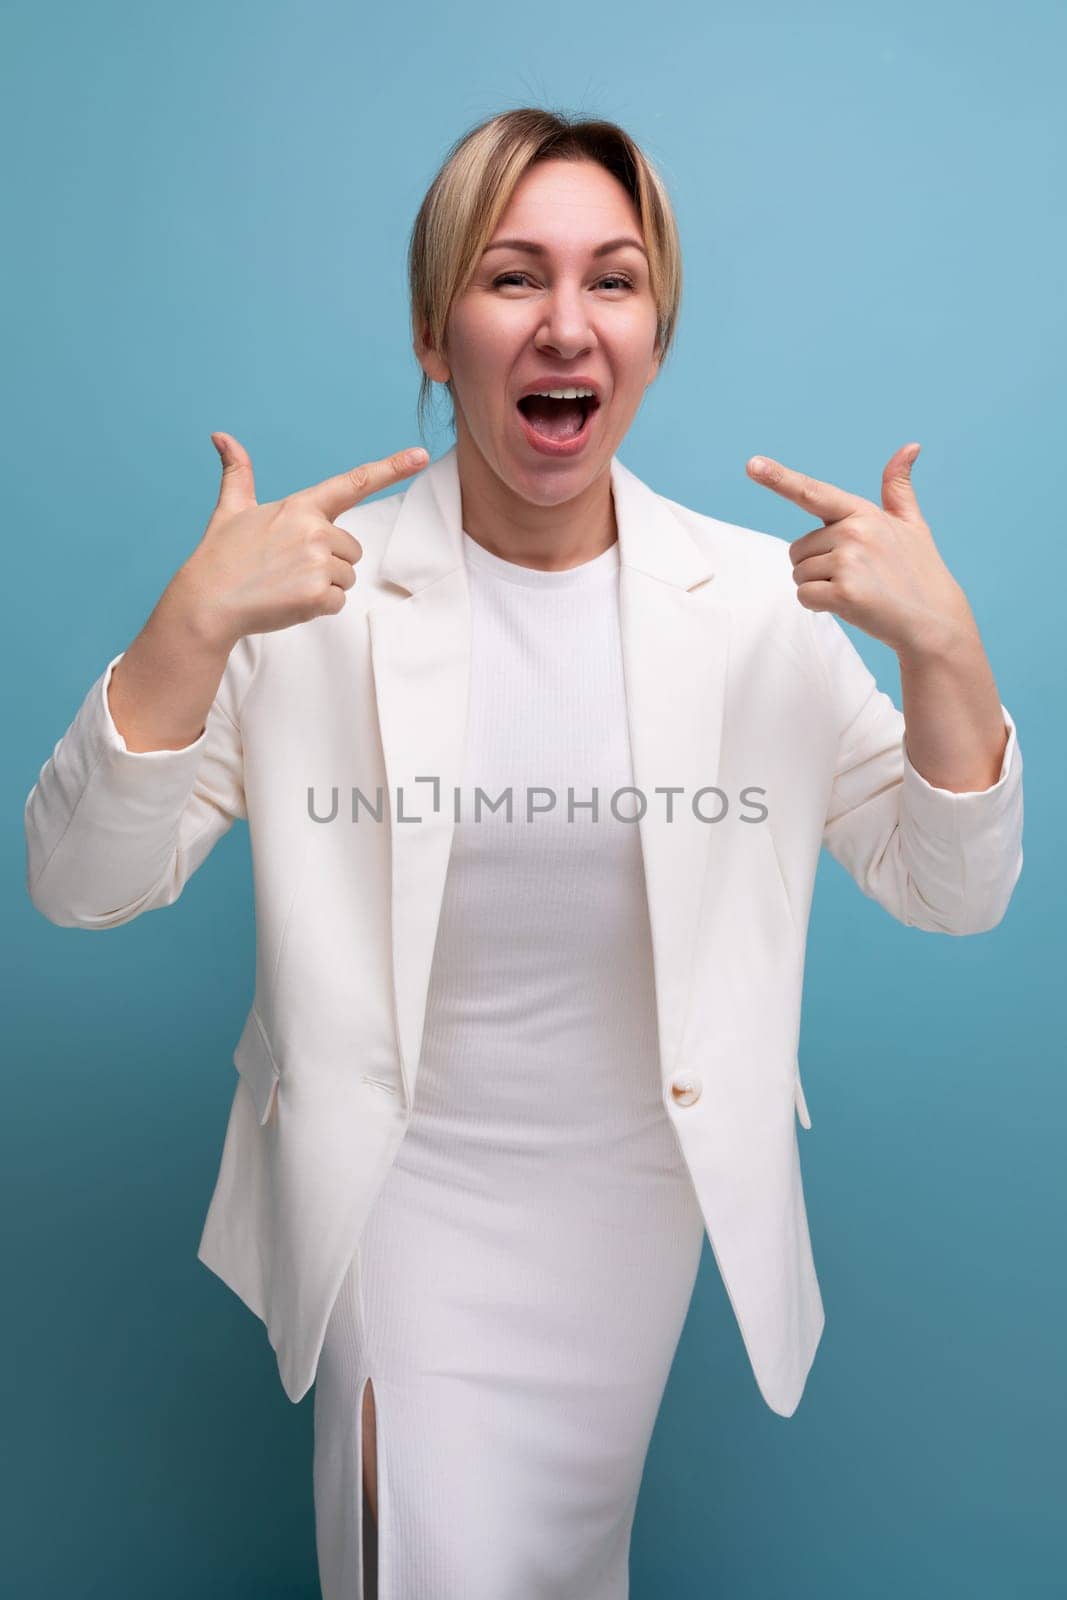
<point x="730" y="683"/>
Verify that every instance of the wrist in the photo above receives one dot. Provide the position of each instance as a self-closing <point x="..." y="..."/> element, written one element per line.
<point x="944" y="637"/>
<point x="188" y="610"/>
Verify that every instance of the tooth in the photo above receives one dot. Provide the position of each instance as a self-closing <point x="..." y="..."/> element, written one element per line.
<point x="565" y="394"/>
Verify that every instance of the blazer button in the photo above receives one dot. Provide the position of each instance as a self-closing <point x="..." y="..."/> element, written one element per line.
<point x="686" y="1087"/>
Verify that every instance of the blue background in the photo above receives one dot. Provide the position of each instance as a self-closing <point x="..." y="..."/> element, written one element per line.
<point x="208" y="209"/>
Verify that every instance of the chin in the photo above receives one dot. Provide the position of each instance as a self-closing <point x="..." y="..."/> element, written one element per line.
<point x="551" y="483"/>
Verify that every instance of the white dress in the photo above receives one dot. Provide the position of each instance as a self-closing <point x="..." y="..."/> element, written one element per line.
<point x="524" y="1276"/>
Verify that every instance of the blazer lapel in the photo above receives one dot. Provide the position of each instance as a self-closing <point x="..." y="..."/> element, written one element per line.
<point x="675" y="640"/>
<point x="674" y="626"/>
<point x="420" y="650"/>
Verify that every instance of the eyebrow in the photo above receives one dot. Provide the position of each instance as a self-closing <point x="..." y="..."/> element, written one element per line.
<point x="535" y="249"/>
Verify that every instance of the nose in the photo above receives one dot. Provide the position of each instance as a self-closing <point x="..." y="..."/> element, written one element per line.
<point x="565" y="328"/>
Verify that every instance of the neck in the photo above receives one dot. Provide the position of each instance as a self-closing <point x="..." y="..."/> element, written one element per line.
<point x="550" y="538"/>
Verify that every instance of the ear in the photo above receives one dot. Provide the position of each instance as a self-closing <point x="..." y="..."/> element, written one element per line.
<point x="431" y="362"/>
<point x="653" y="371"/>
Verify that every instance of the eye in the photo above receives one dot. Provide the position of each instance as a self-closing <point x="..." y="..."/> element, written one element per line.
<point x="613" y="277"/>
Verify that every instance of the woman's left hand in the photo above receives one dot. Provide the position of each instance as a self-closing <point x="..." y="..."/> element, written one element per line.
<point x="875" y="566"/>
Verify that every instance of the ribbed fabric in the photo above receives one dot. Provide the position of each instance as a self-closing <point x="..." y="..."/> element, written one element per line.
<point x="524" y="1277"/>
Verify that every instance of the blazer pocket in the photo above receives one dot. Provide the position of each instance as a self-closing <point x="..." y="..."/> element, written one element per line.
<point x="801" y="1103"/>
<point x="255" y="1062"/>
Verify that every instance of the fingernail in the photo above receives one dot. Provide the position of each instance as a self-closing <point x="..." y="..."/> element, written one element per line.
<point x="415" y="458"/>
<point x="758" y="464"/>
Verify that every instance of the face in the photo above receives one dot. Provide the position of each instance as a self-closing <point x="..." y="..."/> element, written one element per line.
<point x="562" y="311"/>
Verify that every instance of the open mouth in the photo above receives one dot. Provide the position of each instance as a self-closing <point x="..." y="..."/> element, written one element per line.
<point x="558" y="421"/>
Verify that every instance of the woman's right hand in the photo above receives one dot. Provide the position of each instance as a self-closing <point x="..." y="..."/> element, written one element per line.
<point x="259" y="568"/>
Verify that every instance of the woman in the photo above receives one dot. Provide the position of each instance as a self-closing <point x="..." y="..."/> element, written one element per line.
<point x="492" y="1323"/>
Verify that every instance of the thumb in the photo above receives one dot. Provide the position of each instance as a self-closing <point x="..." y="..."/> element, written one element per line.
<point x="898" y="491"/>
<point x="238" y="487"/>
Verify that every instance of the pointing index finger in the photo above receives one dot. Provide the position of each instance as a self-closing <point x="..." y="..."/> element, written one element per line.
<point x="824" y="500"/>
<point x="337" y="494"/>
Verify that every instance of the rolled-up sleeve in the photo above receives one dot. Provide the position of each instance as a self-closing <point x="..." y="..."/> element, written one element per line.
<point x="112" y="832"/>
<point x="935" y="859"/>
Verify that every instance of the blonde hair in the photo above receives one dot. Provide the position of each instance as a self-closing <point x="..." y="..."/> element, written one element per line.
<point x="471" y="190"/>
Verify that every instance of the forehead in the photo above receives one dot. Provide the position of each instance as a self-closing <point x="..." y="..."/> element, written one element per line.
<point x="573" y="202"/>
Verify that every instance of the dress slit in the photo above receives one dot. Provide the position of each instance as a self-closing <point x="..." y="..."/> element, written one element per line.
<point x="368" y="1552"/>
